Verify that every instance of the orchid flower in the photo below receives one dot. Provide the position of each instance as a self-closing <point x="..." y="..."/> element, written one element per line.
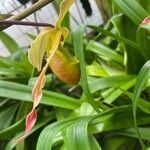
<point x="50" y="43"/>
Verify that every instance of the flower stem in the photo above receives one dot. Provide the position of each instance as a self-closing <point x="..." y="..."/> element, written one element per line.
<point x="28" y="11"/>
<point x="25" y="23"/>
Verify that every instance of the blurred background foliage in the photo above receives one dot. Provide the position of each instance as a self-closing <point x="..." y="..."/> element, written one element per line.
<point x="98" y="112"/>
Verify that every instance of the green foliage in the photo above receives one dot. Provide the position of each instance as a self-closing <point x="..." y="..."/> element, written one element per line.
<point x="10" y="44"/>
<point x="108" y="109"/>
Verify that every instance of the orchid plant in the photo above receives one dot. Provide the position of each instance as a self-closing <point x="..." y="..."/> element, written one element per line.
<point x="49" y="45"/>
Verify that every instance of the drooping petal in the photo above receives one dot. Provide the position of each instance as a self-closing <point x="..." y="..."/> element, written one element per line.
<point x="39" y="84"/>
<point x="48" y="42"/>
<point x="37" y="89"/>
<point x="30" y="121"/>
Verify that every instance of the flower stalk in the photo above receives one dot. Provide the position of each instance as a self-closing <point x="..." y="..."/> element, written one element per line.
<point x="40" y="4"/>
<point x="24" y="23"/>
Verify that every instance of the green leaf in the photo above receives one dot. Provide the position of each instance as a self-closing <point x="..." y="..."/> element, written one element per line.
<point x="6" y="116"/>
<point x="132" y="9"/>
<point x="94" y="143"/>
<point x="145" y="4"/>
<point x="95" y="69"/>
<point x="47" y="136"/>
<point x="8" y="72"/>
<point x="109" y="120"/>
<point x="117" y="118"/>
<point x="104" y="51"/>
<point x="126" y="28"/>
<point x="142" y="38"/>
<point x="16" y="67"/>
<point x="118" y="91"/>
<point x="23" y="93"/>
<point x="10" y="44"/>
<point x="11" y="130"/>
<point x="77" y="135"/>
<point x="143" y="104"/>
<point x="116" y="143"/>
<point x="96" y="84"/>
<point x="140" y="84"/>
<point x="144" y="132"/>
<point x="115" y="36"/>
<point x="112" y="68"/>
<point x="78" y="48"/>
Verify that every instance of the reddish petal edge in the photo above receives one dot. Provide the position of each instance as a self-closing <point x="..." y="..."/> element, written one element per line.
<point x="30" y="121"/>
<point x="146" y="20"/>
<point x="36" y="97"/>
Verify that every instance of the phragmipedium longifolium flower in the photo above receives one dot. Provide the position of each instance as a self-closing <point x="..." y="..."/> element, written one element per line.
<point x="50" y="44"/>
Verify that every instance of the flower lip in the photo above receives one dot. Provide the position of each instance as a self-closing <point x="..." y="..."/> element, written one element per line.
<point x="65" y="67"/>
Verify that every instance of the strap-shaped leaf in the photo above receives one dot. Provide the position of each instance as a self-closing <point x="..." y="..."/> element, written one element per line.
<point x="104" y="51"/>
<point x="132" y="9"/>
<point x="78" y="47"/>
<point x="22" y="92"/>
<point x="140" y="84"/>
<point x="47" y="136"/>
<point x="38" y="49"/>
<point x="10" y="43"/>
<point x="77" y="135"/>
<point x="141" y="36"/>
<point x="65" y="5"/>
